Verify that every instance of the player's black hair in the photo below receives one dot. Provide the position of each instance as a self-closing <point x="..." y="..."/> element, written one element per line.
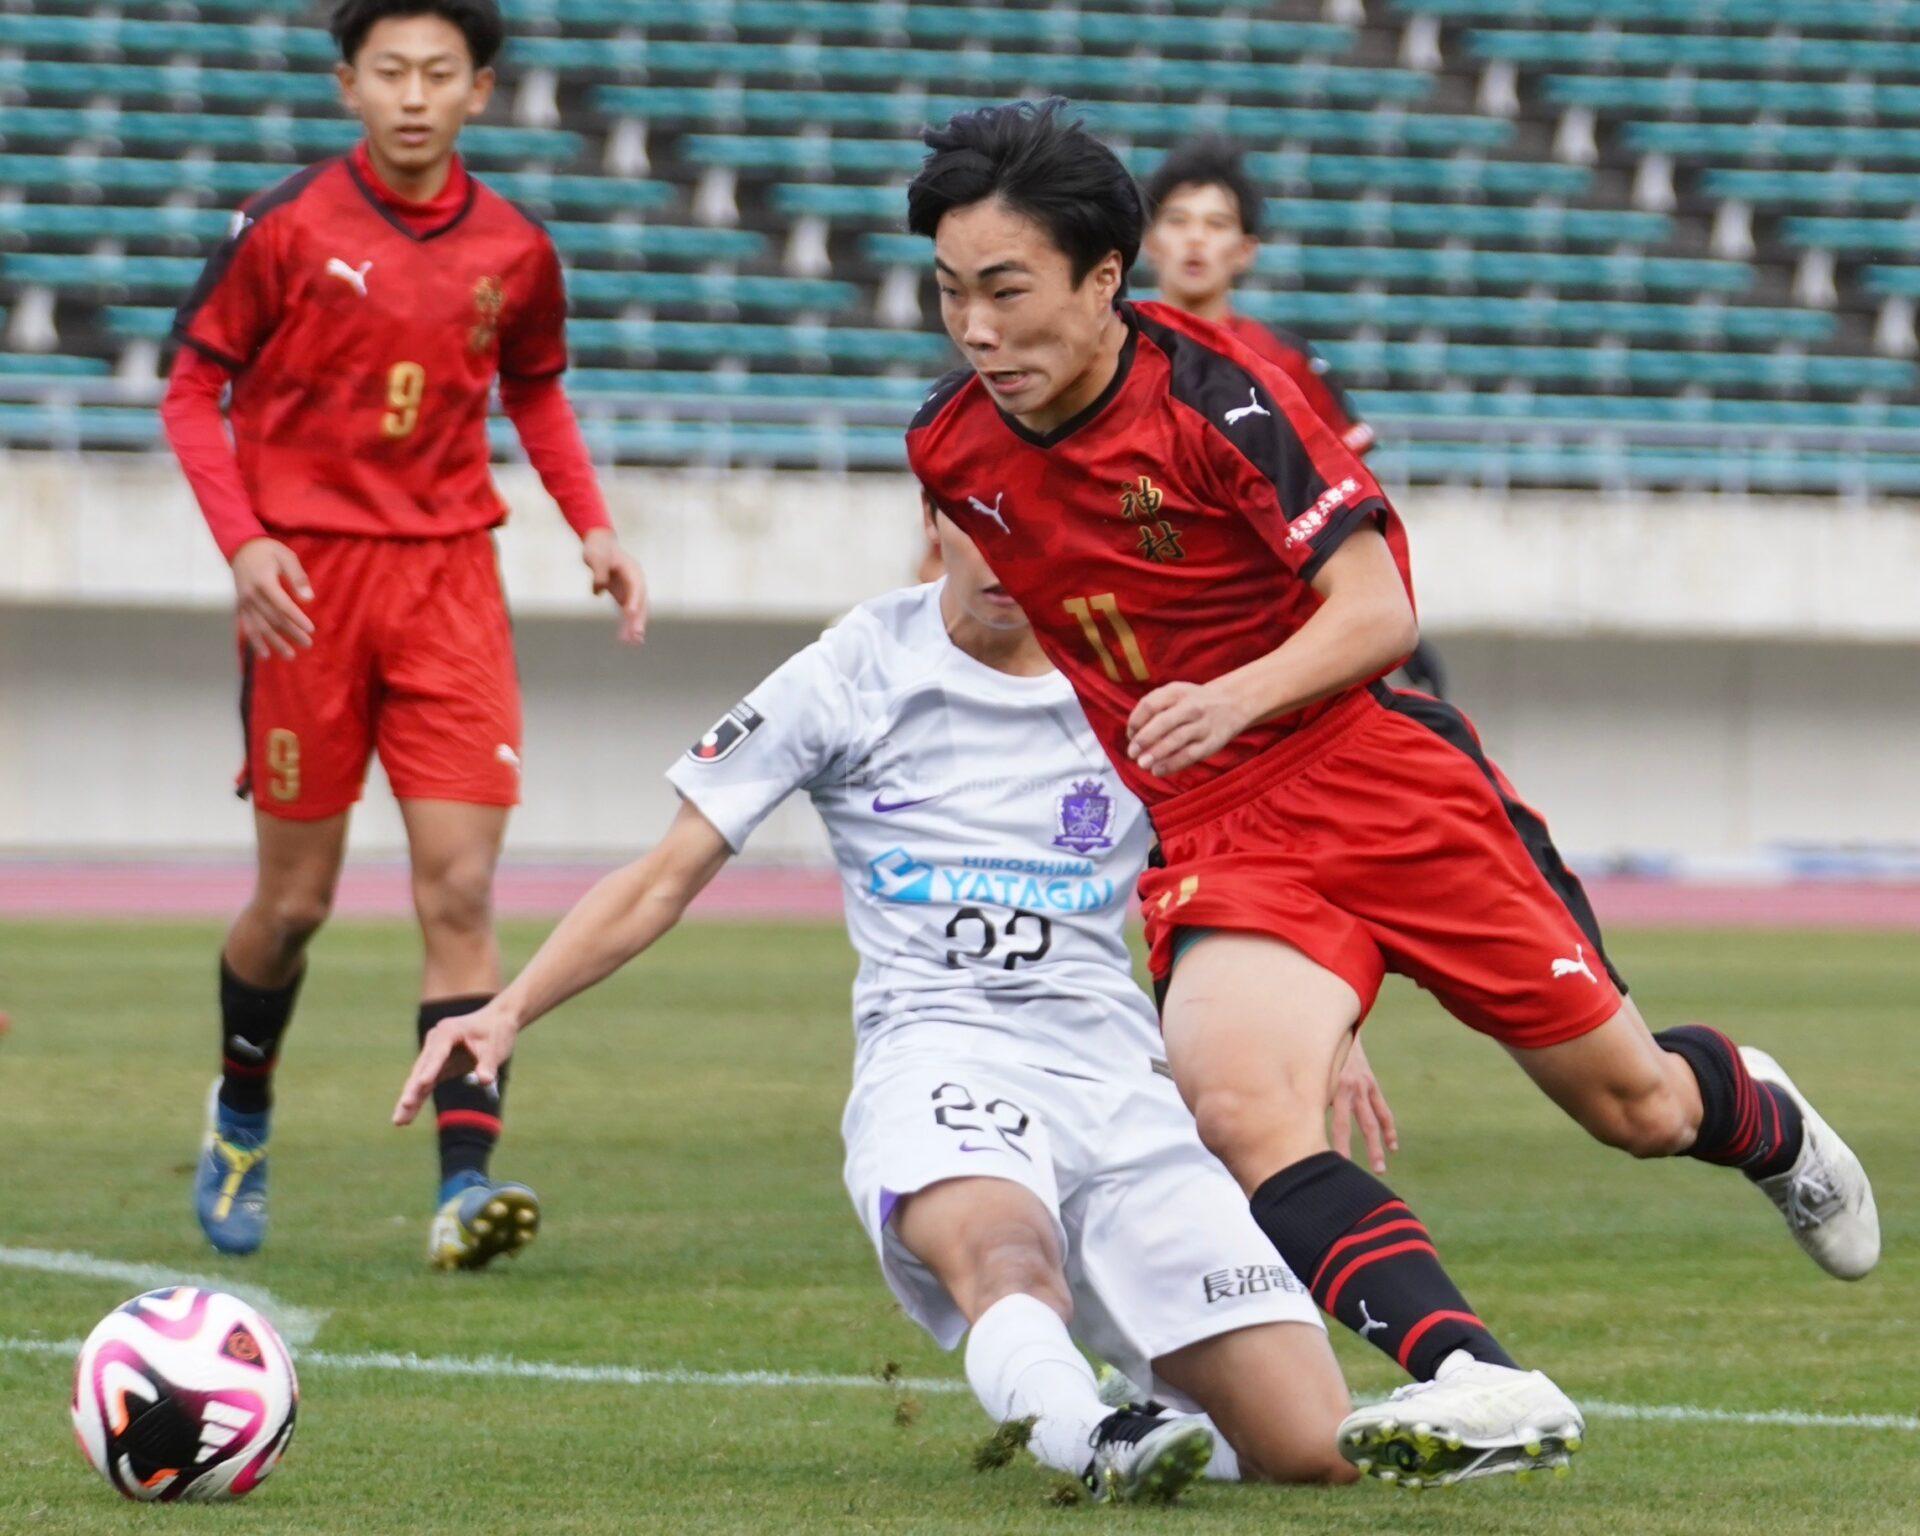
<point x="478" y="20"/>
<point x="1043" y="164"/>
<point x="1208" y="162"/>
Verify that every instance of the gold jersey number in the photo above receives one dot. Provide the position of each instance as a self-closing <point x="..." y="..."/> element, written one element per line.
<point x="406" y="388"/>
<point x="1089" y="611"/>
<point x="283" y="765"/>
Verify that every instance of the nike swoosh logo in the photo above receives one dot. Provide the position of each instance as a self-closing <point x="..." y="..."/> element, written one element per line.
<point x="885" y="807"/>
<point x="967" y="1146"/>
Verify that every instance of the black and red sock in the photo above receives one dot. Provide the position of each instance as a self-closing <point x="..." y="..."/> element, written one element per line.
<point x="1744" y="1123"/>
<point x="252" y="1020"/>
<point x="1370" y="1262"/>
<point x="466" y="1116"/>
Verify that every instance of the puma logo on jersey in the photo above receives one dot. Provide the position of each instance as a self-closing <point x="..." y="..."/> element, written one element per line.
<point x="1577" y="966"/>
<point x="1253" y="407"/>
<point x="1368" y="1322"/>
<point x="355" y="277"/>
<point x="505" y="754"/>
<point x="991" y="511"/>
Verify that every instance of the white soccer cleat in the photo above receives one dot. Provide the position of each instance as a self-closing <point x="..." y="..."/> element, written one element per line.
<point x="1147" y="1458"/>
<point x="1472" y="1420"/>
<point x="1825" y="1195"/>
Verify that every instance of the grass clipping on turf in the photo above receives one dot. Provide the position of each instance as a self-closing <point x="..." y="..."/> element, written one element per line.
<point x="1005" y="1443"/>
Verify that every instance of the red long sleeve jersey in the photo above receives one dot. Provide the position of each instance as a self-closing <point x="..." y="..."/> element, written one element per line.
<point x="364" y="353"/>
<point x="1169" y="532"/>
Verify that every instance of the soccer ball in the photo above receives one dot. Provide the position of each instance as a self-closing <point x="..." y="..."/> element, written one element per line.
<point x="184" y="1394"/>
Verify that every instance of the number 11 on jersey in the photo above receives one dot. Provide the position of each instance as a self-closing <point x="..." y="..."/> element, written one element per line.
<point x="1103" y="604"/>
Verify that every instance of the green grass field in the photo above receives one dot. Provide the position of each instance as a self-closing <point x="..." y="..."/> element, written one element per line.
<point x="682" y="1124"/>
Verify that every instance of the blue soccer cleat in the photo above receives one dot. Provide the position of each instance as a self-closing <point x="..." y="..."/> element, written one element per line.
<point x="478" y="1220"/>
<point x="230" y="1185"/>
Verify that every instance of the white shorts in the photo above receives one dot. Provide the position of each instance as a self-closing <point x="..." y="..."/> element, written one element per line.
<point x="1162" y="1251"/>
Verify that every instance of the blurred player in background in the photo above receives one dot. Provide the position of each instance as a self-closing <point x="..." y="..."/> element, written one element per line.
<point x="1203" y="235"/>
<point x="360" y="314"/>
<point x="1225" y="585"/>
<point x="1015" y="1149"/>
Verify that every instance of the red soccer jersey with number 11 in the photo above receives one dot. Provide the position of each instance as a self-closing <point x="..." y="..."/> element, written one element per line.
<point x="1167" y="533"/>
<point x="363" y="353"/>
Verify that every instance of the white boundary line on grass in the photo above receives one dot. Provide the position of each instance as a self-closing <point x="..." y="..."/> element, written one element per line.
<point x="297" y="1325"/>
<point x="497" y="1367"/>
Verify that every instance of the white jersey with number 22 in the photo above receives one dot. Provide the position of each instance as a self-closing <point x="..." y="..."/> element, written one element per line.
<point x="987" y="849"/>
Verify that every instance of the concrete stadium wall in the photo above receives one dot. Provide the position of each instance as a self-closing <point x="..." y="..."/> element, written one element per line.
<point x="118" y="731"/>
<point x="1688" y="676"/>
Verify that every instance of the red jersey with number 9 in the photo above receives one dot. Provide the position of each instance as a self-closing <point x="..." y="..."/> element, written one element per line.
<point x="1169" y="532"/>
<point x="363" y="354"/>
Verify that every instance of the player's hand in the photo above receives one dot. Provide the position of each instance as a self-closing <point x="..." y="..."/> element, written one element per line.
<point x="267" y="580"/>
<point x="1180" y="724"/>
<point x="473" y="1045"/>
<point x="618" y="573"/>
<point x="1357" y="1100"/>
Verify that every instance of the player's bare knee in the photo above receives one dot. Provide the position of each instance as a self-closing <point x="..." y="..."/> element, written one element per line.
<point x="293" y="917"/>
<point x="456" y="899"/>
<point x="1017" y="1259"/>
<point x="1255" y="1133"/>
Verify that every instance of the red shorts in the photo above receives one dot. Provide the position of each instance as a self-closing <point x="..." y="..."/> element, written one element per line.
<point x="1382" y="839"/>
<point x="412" y="657"/>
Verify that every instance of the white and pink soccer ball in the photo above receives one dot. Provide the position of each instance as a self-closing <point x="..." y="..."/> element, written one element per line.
<point x="184" y="1394"/>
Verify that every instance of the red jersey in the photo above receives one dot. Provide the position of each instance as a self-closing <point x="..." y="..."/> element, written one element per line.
<point x="1295" y="357"/>
<point x="364" y="350"/>
<point x="1169" y="532"/>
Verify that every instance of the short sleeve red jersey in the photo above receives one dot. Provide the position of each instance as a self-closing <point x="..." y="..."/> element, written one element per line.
<point x="364" y="353"/>
<point x="1169" y="532"/>
<point x="1295" y="357"/>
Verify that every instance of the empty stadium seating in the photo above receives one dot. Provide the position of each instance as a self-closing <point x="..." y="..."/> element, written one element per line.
<point x="1589" y="242"/>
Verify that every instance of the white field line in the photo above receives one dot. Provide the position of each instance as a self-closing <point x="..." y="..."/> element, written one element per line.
<point x="497" y="1367"/>
<point x="297" y="1325"/>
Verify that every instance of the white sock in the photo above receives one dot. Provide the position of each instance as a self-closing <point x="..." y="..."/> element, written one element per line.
<point x="1225" y="1465"/>
<point x="1022" y="1363"/>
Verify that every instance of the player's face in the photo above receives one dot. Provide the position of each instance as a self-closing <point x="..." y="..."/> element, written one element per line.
<point x="1009" y="301"/>
<point x="971" y="582"/>
<point x="414" y="86"/>
<point x="1197" y="246"/>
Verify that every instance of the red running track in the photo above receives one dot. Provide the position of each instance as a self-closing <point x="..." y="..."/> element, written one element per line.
<point x="215" y="888"/>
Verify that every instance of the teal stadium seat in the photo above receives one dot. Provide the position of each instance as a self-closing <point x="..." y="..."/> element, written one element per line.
<point x="235" y="180"/>
<point x="1617" y="367"/>
<point x="1886" y="282"/>
<point x="1685" y="96"/>
<point x="1321" y="313"/>
<point x="1614" y="272"/>
<point x="484" y="144"/>
<point x="1826" y="189"/>
<point x="1775" y="54"/>
<point x="1823" y="417"/>
<point x="1459" y="175"/>
<point x="795" y="344"/>
<point x="1878" y="236"/>
<point x="1775" y="141"/>
<point x="907" y="112"/>
<point x="1890" y="16"/>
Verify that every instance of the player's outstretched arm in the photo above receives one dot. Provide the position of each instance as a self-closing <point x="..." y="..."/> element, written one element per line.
<point x="1364" y="625"/>
<point x="618" y="919"/>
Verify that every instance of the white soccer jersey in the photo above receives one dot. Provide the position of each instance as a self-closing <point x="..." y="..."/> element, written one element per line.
<point x="987" y="850"/>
